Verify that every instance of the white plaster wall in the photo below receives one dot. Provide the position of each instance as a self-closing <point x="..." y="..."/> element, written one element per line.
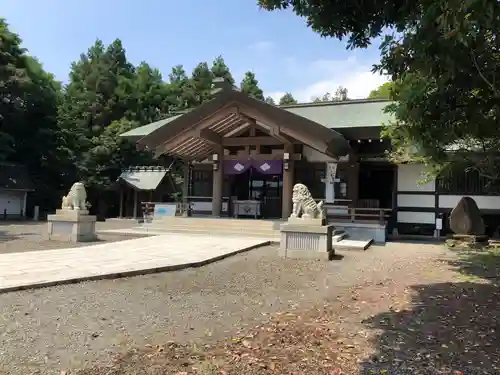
<point x="483" y="201"/>
<point x="416" y="200"/>
<point x="12" y="201"/>
<point x="409" y="175"/>
<point x="416" y="217"/>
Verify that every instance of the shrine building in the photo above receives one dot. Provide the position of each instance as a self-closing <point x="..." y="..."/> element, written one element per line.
<point x="245" y="155"/>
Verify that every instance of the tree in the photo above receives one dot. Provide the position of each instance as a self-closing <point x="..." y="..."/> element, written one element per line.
<point x="201" y="83"/>
<point x="29" y="133"/>
<point x="325" y="98"/>
<point x="220" y="70"/>
<point x="444" y="62"/>
<point x="270" y="100"/>
<point x="340" y="94"/>
<point x="287" y="99"/>
<point x="382" y="92"/>
<point x="105" y="96"/>
<point x="180" y="98"/>
<point x="150" y="95"/>
<point x="250" y="86"/>
<point x="15" y="81"/>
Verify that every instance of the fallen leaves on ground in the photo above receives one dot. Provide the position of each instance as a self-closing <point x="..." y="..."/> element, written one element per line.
<point x="378" y="328"/>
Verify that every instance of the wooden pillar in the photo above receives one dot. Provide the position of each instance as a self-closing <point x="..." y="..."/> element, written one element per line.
<point x="218" y="183"/>
<point x="288" y="179"/>
<point x="185" y="188"/>
<point x="24" y="204"/>
<point x="121" y="202"/>
<point x="136" y="193"/>
<point x="353" y="179"/>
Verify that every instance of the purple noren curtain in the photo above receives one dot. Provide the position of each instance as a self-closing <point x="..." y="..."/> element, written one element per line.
<point x="233" y="167"/>
<point x="268" y="166"/>
<point x="236" y="166"/>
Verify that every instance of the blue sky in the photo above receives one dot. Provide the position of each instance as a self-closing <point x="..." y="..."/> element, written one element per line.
<point x="278" y="47"/>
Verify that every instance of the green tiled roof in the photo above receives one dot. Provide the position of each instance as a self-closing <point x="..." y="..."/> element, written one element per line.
<point x="334" y="115"/>
<point x="344" y="114"/>
<point x="143" y="178"/>
<point x="141" y="131"/>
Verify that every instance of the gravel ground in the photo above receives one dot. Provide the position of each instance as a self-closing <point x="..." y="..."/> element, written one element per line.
<point x="72" y="326"/>
<point x="18" y="237"/>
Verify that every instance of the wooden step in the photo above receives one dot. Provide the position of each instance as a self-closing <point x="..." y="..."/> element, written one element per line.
<point x="215" y="222"/>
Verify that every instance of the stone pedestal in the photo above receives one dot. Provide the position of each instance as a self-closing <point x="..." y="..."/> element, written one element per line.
<point x="306" y="239"/>
<point x="72" y="226"/>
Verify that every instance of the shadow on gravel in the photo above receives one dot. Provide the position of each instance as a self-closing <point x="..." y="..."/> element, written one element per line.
<point x="475" y="265"/>
<point x="5" y="236"/>
<point x="452" y="328"/>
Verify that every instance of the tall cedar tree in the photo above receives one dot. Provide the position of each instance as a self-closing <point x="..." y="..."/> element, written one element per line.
<point x="250" y="86"/>
<point x="287" y="99"/>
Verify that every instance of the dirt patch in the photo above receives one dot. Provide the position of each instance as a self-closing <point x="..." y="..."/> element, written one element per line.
<point x="385" y="328"/>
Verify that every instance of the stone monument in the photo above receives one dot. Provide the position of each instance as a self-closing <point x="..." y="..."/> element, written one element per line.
<point x="72" y="223"/>
<point x="306" y="234"/>
<point x="467" y="224"/>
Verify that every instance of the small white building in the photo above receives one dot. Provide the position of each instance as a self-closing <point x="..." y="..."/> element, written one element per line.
<point x="14" y="187"/>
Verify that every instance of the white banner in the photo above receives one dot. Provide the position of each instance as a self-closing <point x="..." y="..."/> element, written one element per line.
<point x="331" y="172"/>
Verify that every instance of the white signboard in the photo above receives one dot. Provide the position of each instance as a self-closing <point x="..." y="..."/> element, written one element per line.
<point x="439" y="224"/>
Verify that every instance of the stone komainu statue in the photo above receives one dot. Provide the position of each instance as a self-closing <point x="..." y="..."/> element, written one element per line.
<point x="304" y="205"/>
<point x="76" y="198"/>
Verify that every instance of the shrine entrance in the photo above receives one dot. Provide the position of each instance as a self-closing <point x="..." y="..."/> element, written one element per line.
<point x="256" y="192"/>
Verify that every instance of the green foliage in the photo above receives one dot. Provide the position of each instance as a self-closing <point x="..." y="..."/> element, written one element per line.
<point x="201" y="83"/>
<point x="382" y="92"/>
<point x="220" y="70"/>
<point x="29" y="132"/>
<point x="287" y="99"/>
<point x="340" y="94"/>
<point x="65" y="134"/>
<point x="270" y="100"/>
<point x="443" y="57"/>
<point x="250" y="86"/>
<point x="109" y="154"/>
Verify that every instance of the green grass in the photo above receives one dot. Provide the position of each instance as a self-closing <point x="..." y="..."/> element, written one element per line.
<point x="480" y="265"/>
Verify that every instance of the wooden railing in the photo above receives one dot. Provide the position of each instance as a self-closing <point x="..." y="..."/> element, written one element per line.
<point x="343" y="212"/>
<point x="354" y="214"/>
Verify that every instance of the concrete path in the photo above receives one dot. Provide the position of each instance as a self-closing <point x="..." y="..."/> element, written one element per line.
<point x="131" y="257"/>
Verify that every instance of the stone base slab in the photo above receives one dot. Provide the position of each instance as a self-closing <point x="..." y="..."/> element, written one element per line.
<point x="71" y="226"/>
<point x="72" y="213"/>
<point x="303" y="221"/>
<point x="301" y="241"/>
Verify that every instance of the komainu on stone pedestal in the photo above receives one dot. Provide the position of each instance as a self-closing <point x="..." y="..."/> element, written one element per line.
<point x="72" y="223"/>
<point x="304" y="205"/>
<point x="466" y="218"/>
<point x="305" y="234"/>
<point x="76" y="198"/>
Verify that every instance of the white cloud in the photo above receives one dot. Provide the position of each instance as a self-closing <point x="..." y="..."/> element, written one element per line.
<point x="261" y="46"/>
<point x="327" y="75"/>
